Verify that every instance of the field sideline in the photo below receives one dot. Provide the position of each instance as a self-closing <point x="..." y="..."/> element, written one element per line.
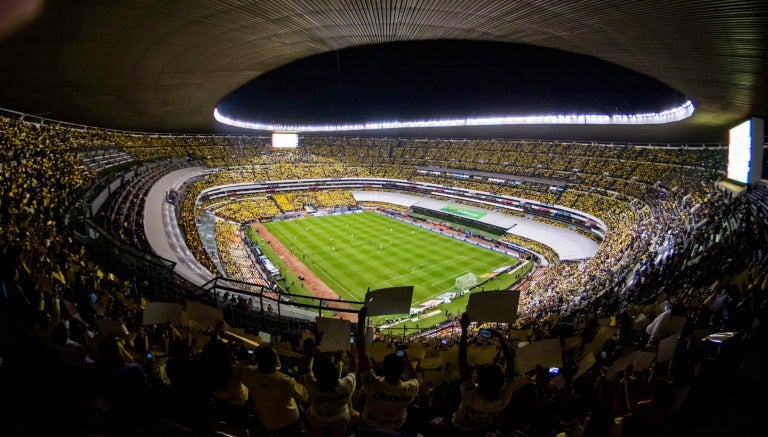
<point x="354" y="252"/>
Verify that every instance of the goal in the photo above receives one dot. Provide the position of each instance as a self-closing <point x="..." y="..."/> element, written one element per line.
<point x="465" y="282"/>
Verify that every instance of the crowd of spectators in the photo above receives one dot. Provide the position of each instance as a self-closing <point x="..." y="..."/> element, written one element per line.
<point x="234" y="255"/>
<point x="76" y="353"/>
<point x="318" y="199"/>
<point x="189" y="216"/>
<point x="246" y="209"/>
<point x="125" y="215"/>
<point x="634" y="222"/>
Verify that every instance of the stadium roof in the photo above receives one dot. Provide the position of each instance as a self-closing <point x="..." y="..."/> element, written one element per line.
<point x="164" y="66"/>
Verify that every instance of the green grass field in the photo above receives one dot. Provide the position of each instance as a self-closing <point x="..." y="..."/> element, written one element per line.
<point x="354" y="252"/>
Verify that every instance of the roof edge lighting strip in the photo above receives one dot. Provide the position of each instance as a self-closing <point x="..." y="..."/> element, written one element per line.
<point x="667" y="116"/>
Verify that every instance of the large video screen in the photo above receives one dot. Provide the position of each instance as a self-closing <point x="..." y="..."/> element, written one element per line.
<point x="285" y="139"/>
<point x="745" y="152"/>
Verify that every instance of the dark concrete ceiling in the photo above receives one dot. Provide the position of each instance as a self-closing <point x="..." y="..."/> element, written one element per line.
<point x="162" y="66"/>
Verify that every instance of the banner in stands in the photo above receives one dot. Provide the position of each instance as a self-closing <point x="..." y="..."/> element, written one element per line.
<point x="585" y="364"/>
<point x="110" y="328"/>
<point x="336" y="334"/>
<point x="161" y="312"/>
<point x="493" y="306"/>
<point x="393" y="300"/>
<point x="546" y="353"/>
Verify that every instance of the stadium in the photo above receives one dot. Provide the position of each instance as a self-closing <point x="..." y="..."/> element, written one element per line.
<point x="203" y="203"/>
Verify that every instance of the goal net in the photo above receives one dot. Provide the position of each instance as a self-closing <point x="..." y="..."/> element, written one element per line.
<point x="465" y="282"/>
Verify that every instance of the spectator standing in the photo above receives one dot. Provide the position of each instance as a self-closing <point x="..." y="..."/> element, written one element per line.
<point x="668" y="323"/>
<point x="484" y="401"/>
<point x="387" y="397"/>
<point x="274" y="397"/>
<point x="230" y="395"/>
<point x="329" y="396"/>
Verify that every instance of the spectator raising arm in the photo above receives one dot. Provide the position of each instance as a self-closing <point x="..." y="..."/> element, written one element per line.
<point x="410" y="372"/>
<point x="509" y="355"/>
<point x="464" y="372"/>
<point x="364" y="361"/>
<point x="484" y="401"/>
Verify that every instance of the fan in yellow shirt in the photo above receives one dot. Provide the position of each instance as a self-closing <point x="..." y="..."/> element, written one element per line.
<point x="482" y="403"/>
<point x="387" y="397"/>
<point x="274" y="397"/>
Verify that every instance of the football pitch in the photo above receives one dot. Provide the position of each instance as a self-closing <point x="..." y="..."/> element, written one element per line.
<point x="352" y="253"/>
